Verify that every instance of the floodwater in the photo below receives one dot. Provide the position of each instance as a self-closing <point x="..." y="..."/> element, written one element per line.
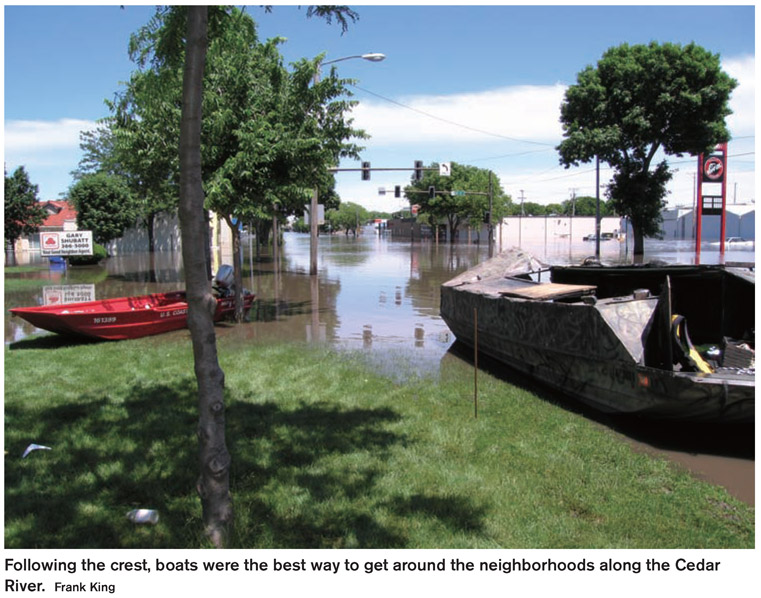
<point x="380" y="296"/>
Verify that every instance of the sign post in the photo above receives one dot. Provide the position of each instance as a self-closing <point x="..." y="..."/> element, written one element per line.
<point x="712" y="193"/>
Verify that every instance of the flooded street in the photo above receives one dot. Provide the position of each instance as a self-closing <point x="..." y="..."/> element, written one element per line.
<point x="381" y="297"/>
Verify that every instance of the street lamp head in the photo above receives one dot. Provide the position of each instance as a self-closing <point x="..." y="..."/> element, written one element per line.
<point x="374" y="56"/>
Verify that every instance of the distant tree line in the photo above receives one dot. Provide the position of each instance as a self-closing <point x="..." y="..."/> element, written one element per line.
<point x="580" y="206"/>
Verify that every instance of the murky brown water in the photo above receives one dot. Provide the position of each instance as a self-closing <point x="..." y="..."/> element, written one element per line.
<point x="381" y="297"/>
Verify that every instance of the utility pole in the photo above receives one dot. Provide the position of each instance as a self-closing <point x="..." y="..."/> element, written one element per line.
<point x="520" y="223"/>
<point x="573" y="213"/>
<point x="491" y="216"/>
<point x="597" y="208"/>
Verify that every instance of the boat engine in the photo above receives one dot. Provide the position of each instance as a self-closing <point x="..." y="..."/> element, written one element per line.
<point x="224" y="281"/>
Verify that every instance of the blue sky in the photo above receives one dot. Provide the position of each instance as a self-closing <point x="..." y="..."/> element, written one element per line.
<point x="477" y="85"/>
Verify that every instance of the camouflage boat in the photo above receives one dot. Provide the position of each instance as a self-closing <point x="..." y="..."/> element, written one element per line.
<point x="616" y="337"/>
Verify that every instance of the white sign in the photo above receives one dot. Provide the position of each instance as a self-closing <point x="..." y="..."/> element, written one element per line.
<point x="445" y="169"/>
<point x="70" y="293"/>
<point x="320" y="215"/>
<point x="66" y="243"/>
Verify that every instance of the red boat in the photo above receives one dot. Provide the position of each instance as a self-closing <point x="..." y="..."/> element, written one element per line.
<point x="123" y="317"/>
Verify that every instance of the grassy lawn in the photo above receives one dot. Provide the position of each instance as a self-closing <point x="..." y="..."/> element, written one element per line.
<point x="328" y="454"/>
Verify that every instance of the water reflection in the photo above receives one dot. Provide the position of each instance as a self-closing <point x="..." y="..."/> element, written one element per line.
<point x="373" y="294"/>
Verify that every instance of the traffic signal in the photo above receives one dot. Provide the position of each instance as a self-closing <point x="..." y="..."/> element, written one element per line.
<point x="398" y="191"/>
<point x="431" y="192"/>
<point x="418" y="170"/>
<point x="365" y="171"/>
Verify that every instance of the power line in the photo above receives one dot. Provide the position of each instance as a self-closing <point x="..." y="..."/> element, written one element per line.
<point x="450" y="122"/>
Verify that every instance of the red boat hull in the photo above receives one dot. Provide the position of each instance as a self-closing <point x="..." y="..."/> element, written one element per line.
<point x="121" y="318"/>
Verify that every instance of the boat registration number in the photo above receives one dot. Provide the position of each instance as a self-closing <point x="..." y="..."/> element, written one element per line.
<point x="176" y="312"/>
<point x="106" y="320"/>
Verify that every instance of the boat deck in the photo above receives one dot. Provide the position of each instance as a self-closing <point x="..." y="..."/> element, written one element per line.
<point x="528" y="289"/>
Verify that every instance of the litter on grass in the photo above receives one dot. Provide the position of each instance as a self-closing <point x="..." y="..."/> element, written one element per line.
<point x="143" y="516"/>
<point x="35" y="447"/>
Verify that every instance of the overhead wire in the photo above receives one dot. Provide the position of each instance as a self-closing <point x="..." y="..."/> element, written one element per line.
<point x="451" y="122"/>
<point x="547" y="146"/>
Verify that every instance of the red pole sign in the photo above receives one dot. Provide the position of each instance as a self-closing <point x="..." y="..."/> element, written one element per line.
<point x="713" y="171"/>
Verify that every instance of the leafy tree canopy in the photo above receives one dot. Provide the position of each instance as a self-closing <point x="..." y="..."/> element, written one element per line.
<point x="104" y="206"/>
<point x="637" y="101"/>
<point x="348" y="217"/>
<point x="23" y="212"/>
<point x="472" y="205"/>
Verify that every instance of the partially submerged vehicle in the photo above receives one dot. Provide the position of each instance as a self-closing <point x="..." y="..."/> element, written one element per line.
<point x="736" y="243"/>
<point x="617" y="337"/>
<point x="124" y="318"/>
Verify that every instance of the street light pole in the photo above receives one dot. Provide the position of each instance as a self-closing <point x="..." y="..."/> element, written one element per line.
<point x="372" y="57"/>
<point x="597" y="208"/>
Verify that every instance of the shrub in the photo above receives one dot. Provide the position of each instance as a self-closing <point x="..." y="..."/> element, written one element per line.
<point x="98" y="253"/>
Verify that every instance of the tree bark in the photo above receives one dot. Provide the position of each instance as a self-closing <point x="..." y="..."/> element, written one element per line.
<point x="639" y="242"/>
<point x="237" y="268"/>
<point x="213" y="483"/>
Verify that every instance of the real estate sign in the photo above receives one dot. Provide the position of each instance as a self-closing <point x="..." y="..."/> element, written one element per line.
<point x="78" y="242"/>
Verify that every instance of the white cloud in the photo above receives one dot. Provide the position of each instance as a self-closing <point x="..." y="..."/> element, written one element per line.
<point x="22" y="136"/>
<point x="743" y="101"/>
<point x="49" y="150"/>
<point x="527" y="112"/>
<point x="530" y="113"/>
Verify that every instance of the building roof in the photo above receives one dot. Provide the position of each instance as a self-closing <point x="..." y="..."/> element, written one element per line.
<point x="59" y="211"/>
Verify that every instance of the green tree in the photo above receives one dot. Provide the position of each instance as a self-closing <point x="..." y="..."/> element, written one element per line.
<point x="640" y="101"/>
<point x="104" y="206"/>
<point x="348" y="217"/>
<point x="472" y="206"/>
<point x="181" y="37"/>
<point x="23" y="212"/>
<point x="268" y="134"/>
<point x="584" y="205"/>
<point x="530" y="208"/>
<point x="128" y="144"/>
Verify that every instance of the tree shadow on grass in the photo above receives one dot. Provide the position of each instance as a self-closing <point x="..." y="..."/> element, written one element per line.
<point x="108" y="456"/>
<point x="300" y="451"/>
<point x="457" y="513"/>
<point x="303" y="476"/>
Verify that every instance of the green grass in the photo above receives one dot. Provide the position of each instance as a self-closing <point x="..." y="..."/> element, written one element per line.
<point x="328" y="454"/>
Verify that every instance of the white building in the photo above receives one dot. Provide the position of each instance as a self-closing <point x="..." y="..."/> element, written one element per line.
<point x="679" y="223"/>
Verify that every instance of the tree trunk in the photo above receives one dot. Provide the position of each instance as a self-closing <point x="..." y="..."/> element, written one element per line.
<point x="275" y="241"/>
<point x="151" y="233"/>
<point x="237" y="269"/>
<point x="639" y="241"/>
<point x="152" y="275"/>
<point x="10" y="251"/>
<point x="213" y="483"/>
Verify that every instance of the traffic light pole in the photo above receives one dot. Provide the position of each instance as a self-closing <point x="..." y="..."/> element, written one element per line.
<point x="374" y="169"/>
